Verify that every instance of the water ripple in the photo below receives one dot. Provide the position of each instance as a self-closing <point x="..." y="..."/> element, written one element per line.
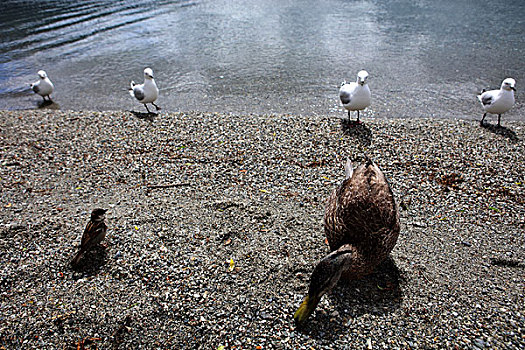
<point x="288" y="55"/>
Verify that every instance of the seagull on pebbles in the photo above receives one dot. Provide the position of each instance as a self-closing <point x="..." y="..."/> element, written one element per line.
<point x="355" y="96"/>
<point x="147" y="92"/>
<point x="498" y="101"/>
<point x="44" y="87"/>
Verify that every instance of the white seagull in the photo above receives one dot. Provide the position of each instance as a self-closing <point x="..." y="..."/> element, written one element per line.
<point x="44" y="87"/>
<point x="147" y="92"/>
<point x="356" y="95"/>
<point x="498" y="101"/>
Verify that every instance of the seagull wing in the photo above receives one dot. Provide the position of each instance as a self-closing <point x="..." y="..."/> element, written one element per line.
<point x="35" y="88"/>
<point x="344" y="95"/>
<point x="138" y="92"/>
<point x="486" y="98"/>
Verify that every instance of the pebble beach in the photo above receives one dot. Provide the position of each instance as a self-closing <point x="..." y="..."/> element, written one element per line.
<point x="215" y="223"/>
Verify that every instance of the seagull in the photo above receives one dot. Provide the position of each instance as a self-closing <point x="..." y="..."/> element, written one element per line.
<point x="355" y="96"/>
<point x="44" y="87"/>
<point x="498" y="101"/>
<point x="147" y="92"/>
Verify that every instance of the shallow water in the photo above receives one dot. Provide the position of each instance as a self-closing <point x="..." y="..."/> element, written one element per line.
<point x="425" y="58"/>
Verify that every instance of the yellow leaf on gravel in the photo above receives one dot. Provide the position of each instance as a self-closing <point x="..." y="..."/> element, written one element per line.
<point x="232" y="265"/>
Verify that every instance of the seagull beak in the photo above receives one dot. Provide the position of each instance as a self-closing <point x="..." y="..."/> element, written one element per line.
<point x="513" y="88"/>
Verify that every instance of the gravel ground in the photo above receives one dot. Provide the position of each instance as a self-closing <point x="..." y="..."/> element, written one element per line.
<point x="215" y="224"/>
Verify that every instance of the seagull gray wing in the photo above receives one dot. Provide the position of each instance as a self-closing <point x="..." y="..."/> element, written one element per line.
<point x="344" y="96"/>
<point x="486" y="99"/>
<point x="138" y="91"/>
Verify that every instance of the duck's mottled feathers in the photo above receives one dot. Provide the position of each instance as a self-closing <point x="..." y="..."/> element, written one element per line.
<point x="361" y="226"/>
<point x="362" y="212"/>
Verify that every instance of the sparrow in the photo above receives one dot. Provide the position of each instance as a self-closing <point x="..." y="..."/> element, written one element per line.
<point x="44" y="87"/>
<point x="94" y="233"/>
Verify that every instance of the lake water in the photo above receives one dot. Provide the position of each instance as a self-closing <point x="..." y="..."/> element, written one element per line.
<point x="425" y="58"/>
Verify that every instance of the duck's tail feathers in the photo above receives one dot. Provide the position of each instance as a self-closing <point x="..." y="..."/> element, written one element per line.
<point x="368" y="160"/>
<point x="349" y="169"/>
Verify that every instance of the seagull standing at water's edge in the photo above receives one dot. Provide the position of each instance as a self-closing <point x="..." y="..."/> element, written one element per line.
<point x="44" y="87"/>
<point x="498" y="101"/>
<point x="147" y="92"/>
<point x="356" y="95"/>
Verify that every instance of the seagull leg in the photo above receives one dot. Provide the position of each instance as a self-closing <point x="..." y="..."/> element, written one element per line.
<point x="358" y="117"/>
<point x="348" y="115"/>
<point x="145" y="105"/>
<point x="499" y="118"/>
<point x="157" y="107"/>
<point x="482" y="119"/>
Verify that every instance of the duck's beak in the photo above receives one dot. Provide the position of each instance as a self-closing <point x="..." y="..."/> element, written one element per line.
<point x="305" y="310"/>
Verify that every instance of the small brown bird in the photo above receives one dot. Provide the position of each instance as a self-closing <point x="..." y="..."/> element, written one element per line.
<point x="94" y="233"/>
<point x="361" y="225"/>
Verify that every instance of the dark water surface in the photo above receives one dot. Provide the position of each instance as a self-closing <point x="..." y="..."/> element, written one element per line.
<point x="425" y="58"/>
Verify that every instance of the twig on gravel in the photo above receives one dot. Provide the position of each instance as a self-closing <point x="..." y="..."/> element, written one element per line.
<point x="168" y="185"/>
<point x="96" y="290"/>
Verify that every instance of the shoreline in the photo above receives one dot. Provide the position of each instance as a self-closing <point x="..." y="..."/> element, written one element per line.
<point x="188" y="192"/>
<point x="335" y="112"/>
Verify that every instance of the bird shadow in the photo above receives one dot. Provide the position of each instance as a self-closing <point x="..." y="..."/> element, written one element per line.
<point x="356" y="130"/>
<point x="379" y="293"/>
<point x="502" y="131"/>
<point x="507" y="263"/>
<point x="91" y="262"/>
<point x="47" y="104"/>
<point x="150" y="117"/>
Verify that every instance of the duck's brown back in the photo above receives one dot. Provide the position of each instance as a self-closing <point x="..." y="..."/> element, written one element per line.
<point x="362" y="212"/>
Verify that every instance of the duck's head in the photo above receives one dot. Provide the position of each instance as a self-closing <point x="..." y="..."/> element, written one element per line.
<point x="508" y="84"/>
<point x="362" y="77"/>
<point x="325" y="276"/>
<point x="148" y="73"/>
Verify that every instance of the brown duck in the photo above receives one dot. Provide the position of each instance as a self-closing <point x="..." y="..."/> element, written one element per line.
<point x="361" y="224"/>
